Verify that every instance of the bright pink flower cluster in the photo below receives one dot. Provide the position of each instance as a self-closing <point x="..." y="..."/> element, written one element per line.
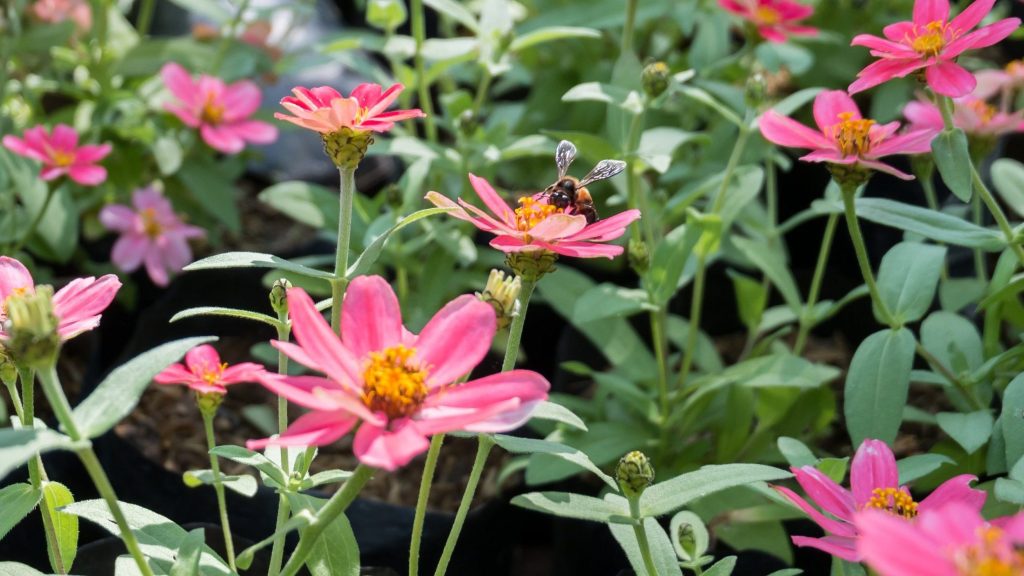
<point x="775" y="20"/>
<point x="205" y="373"/>
<point x="323" y="109"/>
<point x="60" y="154"/>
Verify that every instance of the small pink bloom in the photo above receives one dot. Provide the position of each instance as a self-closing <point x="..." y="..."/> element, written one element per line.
<point x="775" y="20"/>
<point x="77" y="305"/>
<point x="220" y="111"/>
<point x="57" y="11"/>
<point x="60" y="154"/>
<point x="537" y="224"/>
<point x="1005" y="81"/>
<point x="970" y="113"/>
<point x="932" y="42"/>
<point x="952" y="540"/>
<point x="403" y="387"/>
<point x="844" y="136"/>
<point x="151" y="233"/>
<point x="324" y="110"/>
<point x="204" y="372"/>
<point x="874" y="483"/>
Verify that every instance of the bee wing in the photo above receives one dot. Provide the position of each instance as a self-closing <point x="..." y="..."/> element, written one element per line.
<point x="605" y="169"/>
<point x="564" y="155"/>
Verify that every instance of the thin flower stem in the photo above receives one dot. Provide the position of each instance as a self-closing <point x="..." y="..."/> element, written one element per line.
<point x="347" y="189"/>
<point x="277" y="548"/>
<point x="12" y="389"/>
<point x="145" y="17"/>
<point x="218" y="486"/>
<point x="937" y="365"/>
<point x="482" y="450"/>
<point x="515" y="330"/>
<point x="229" y="35"/>
<point x="328" y="514"/>
<point x="62" y="410"/>
<point x="419" y="34"/>
<point x="806" y="319"/>
<point x="421" y="502"/>
<point x="660" y="345"/>
<point x="481" y="90"/>
<point x="628" y="27"/>
<point x="641" y="536"/>
<point x="849" y="193"/>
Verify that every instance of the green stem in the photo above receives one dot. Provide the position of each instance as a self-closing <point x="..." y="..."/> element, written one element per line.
<point x="641" y="537"/>
<point x="980" y="270"/>
<point x="997" y="213"/>
<point x="658" y="335"/>
<point x="419" y="34"/>
<point x="228" y="36"/>
<point x="421" y="502"/>
<point x="628" y="27"/>
<point x="485" y="443"/>
<point x="634" y="193"/>
<point x="481" y="91"/>
<point x="145" y="17"/>
<point x="806" y="319"/>
<point x="937" y="365"/>
<point x="696" y="304"/>
<point x="218" y="486"/>
<point x="12" y="389"/>
<point x="328" y="514"/>
<point x="849" y="194"/>
<point x="515" y="330"/>
<point x="277" y="548"/>
<point x="347" y="189"/>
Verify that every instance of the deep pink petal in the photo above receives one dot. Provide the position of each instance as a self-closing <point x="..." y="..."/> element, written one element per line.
<point x="202" y="358"/>
<point x="371" y="319"/>
<point x="383" y="100"/>
<point x="83" y="299"/>
<point x="255" y="131"/>
<point x="899" y="32"/>
<point x="23" y="148"/>
<point x="492" y="200"/>
<point x="893" y="546"/>
<point x="830" y="525"/>
<point x="829" y="107"/>
<point x="981" y="38"/>
<point x="956" y="489"/>
<point x="512" y="244"/>
<point x="505" y="420"/>
<point x="179" y="83"/>
<point x="240" y="100"/>
<point x="440" y="420"/>
<point x="911" y="142"/>
<point x="50" y="173"/>
<point x="928" y="11"/>
<point x="312" y="429"/>
<point x="582" y="249"/>
<point x="389" y="449"/>
<point x="155" y="267"/>
<point x="87" y="175"/>
<point x="13" y="276"/>
<point x="319" y="342"/>
<point x="972" y="15"/>
<point x="64" y="138"/>
<point x="174" y="374"/>
<point x="242" y="372"/>
<point x="558" y="226"/>
<point x="783" y="131"/>
<point x="456" y="339"/>
<point x="832" y="497"/>
<point x="608" y="229"/>
<point x="873" y="467"/>
<point x="885" y="168"/>
<point x="882" y="46"/>
<point x="92" y="153"/>
<point x="222" y="138"/>
<point x="924" y="115"/>
<point x="884" y="70"/>
<point x="523" y="384"/>
<point x="845" y="548"/>
<point x="950" y="79"/>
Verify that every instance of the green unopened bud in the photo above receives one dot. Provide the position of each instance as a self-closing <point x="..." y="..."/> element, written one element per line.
<point x="347" y="147"/>
<point x="468" y="122"/>
<point x="655" y="79"/>
<point x="32" y="328"/>
<point x="386" y="15"/>
<point x="208" y="402"/>
<point x="850" y="176"/>
<point x="634" y="473"/>
<point x="756" y="92"/>
<point x="639" y="255"/>
<point x="502" y="293"/>
<point x="531" y="266"/>
<point x="279" y="296"/>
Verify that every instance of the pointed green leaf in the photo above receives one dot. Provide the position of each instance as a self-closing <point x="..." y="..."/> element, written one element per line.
<point x="244" y="484"/>
<point x="65" y="525"/>
<point x="255" y="260"/>
<point x="533" y="446"/>
<point x="17" y="445"/>
<point x="953" y="159"/>
<point x="670" y="495"/>
<point x="228" y="312"/>
<point x="374" y="248"/>
<point x="187" y="562"/>
<point x="877" y="384"/>
<point x="662" y="552"/>
<point x="16" y="501"/>
<point x="577" y="506"/>
<point x="909" y="277"/>
<point x="970" y="431"/>
<point x="336" y="552"/>
<point x="254" y="459"/>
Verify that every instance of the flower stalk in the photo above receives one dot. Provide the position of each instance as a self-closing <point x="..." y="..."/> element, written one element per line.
<point x="347" y="188"/>
<point x="806" y="319"/>
<point x="283" y="333"/>
<point x="421" y="502"/>
<point x="849" y="193"/>
<point x="208" y="409"/>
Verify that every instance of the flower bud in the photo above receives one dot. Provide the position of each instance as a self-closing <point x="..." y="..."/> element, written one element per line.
<point x="502" y="293"/>
<point x="850" y="176"/>
<point x="756" y="90"/>
<point x="655" y="79"/>
<point x="32" y="328"/>
<point x="639" y="255"/>
<point x="634" y="473"/>
<point x="531" y="266"/>
<point x="347" y="147"/>
<point x="208" y="402"/>
<point x="386" y="15"/>
<point x="279" y="296"/>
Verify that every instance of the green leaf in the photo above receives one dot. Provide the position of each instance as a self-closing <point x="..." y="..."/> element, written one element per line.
<point x="213" y="190"/>
<point x="700" y="95"/>
<point x="455" y="11"/>
<point x="877" y="384"/>
<point x="834" y="468"/>
<point x="58" y="228"/>
<point x="255" y="260"/>
<point x="669" y="261"/>
<point x="1012" y="420"/>
<point x="660" y="547"/>
<point x="670" y="495"/>
<point x="772" y="263"/>
<point x="696" y="536"/>
<point x="374" y="248"/>
<point x="118" y="393"/>
<point x="325" y="477"/>
<point x="16" y="501"/>
<point x="845" y="568"/>
<point x="723" y="567"/>
<point x="569" y="454"/>
<point x="1009" y="490"/>
<point x="550" y="33"/>
<point x="254" y="459"/>
<point x="624" y="98"/>
<point x="386" y="15"/>
<point x="790" y="104"/>
<point x="751" y="298"/>
<point x="309" y="204"/>
<point x="908" y="278"/>
<point x="610" y="301"/>
<point x="168" y="154"/>
<point x="18" y="569"/>
<point x="65" y="526"/>
<point x="711" y="41"/>
<point x="920" y="465"/>
<point x="243" y="484"/>
<point x="548" y="410"/>
<point x="229" y="312"/>
<point x="576" y="506"/>
<point x="17" y="445"/>
<point x="211" y="10"/>
<point x="187" y="561"/>
<point x="795" y="452"/>
<point x="970" y="431"/>
<point x="953" y="340"/>
<point x="953" y="159"/>
<point x="1008" y="177"/>
<point x="336" y="552"/>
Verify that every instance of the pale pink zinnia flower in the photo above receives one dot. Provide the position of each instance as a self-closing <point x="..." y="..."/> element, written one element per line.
<point x="324" y="110"/>
<point x="220" y="111"/>
<point x="77" y="305"/>
<point x="205" y="373"/>
<point x="775" y="20"/>
<point x="151" y="233"/>
<point x="60" y="154"/>
<point x="538" y="225"/>
<point x="874" y="480"/>
<point x="57" y="11"/>
<point x="953" y="540"/>
<point x="403" y="387"/>
<point x="970" y="113"/>
<point x="931" y="41"/>
<point x="844" y="136"/>
<point x="1007" y="80"/>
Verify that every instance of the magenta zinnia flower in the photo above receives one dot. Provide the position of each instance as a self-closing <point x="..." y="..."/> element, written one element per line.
<point x="537" y="224"/>
<point x="970" y="113"/>
<point x="403" y="387"/>
<point x="953" y="540"/>
<point x="844" y="136"/>
<point x="931" y="42"/>
<point x="220" y="111"/>
<point x="77" y="305"/>
<point x="775" y="20"/>
<point x="205" y="373"/>
<point x="60" y="154"/>
<point x="151" y="233"/>
<point x="325" y="110"/>
<point x="874" y="480"/>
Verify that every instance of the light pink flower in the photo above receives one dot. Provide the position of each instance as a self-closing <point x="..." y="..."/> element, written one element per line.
<point x="403" y="387"/>
<point x="775" y="20"/>
<point x="953" y="540"/>
<point x="77" y="305"/>
<point x="874" y="480"/>
<point x="537" y="224"/>
<point x="57" y="11"/>
<point x="970" y="113"/>
<point x="151" y="233"/>
<point x="992" y="82"/>
<point x="931" y="42"/>
<point x="220" y="111"/>
<point x="324" y="110"/>
<point x="204" y="372"/>
<point x="60" y="154"/>
<point x="844" y="136"/>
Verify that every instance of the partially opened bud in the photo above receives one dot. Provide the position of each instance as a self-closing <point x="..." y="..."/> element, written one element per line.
<point x="634" y="473"/>
<point x="279" y="295"/>
<point x="531" y="265"/>
<point x="655" y="79"/>
<point x="346" y="147"/>
<point x="32" y="328"/>
<point x="502" y="293"/>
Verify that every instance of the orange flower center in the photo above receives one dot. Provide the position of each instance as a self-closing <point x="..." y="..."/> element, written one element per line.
<point x="530" y="213"/>
<point x="213" y="112"/>
<point x="932" y="40"/>
<point x="212" y="376"/>
<point x="989" y="558"/>
<point x="985" y="111"/>
<point x="1015" y="68"/>
<point x="767" y="15"/>
<point x="150" y="225"/>
<point x="62" y="158"/>
<point x="393" y="383"/>
<point x="894" y="501"/>
<point x="853" y="135"/>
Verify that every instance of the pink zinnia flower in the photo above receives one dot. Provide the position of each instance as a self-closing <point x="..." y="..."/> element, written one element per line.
<point x="57" y="11"/>
<point x="874" y="480"/>
<point x="953" y="540"/>
<point x="220" y="111"/>
<point x="775" y="20"/>
<point x="970" y="113"/>
<point x="60" y="154"/>
<point x="205" y="373"/>
<point x="931" y="41"/>
<point x="151" y="233"/>
<point x="325" y="110"/>
<point x="992" y="82"/>
<point x="403" y="387"/>
<point x="844" y="136"/>
<point x="77" y="305"/>
<point x="537" y="224"/>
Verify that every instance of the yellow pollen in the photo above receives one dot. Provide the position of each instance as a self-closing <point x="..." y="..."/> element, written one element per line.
<point x="393" y="383"/>
<point x="150" y="225"/>
<point x="530" y="213"/>
<point x="985" y="111"/>
<point x="853" y="135"/>
<point x="213" y="112"/>
<point x="894" y="501"/>
<point x="213" y="377"/>
<point x="62" y="158"/>
<point x="767" y="15"/>
<point x="989" y="557"/>
<point x="19" y="291"/>
<point x="932" y="40"/>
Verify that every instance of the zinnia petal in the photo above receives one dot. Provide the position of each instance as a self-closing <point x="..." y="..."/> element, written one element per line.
<point x="456" y="339"/>
<point x="389" y="449"/>
<point x="371" y="320"/>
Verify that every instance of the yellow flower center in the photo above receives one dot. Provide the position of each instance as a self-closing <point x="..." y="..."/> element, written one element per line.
<point x="530" y="213"/>
<point x="893" y="501"/>
<point x="985" y="111"/>
<point x="62" y="158"/>
<point x="213" y="112"/>
<point x="767" y="15"/>
<point x="989" y="558"/>
<point x="150" y="225"/>
<point x="1015" y="68"/>
<point x="213" y="376"/>
<point x="853" y="135"/>
<point x="932" y="40"/>
<point x="393" y="383"/>
<point x="19" y="291"/>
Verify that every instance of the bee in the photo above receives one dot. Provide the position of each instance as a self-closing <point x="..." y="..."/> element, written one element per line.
<point x="569" y="191"/>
